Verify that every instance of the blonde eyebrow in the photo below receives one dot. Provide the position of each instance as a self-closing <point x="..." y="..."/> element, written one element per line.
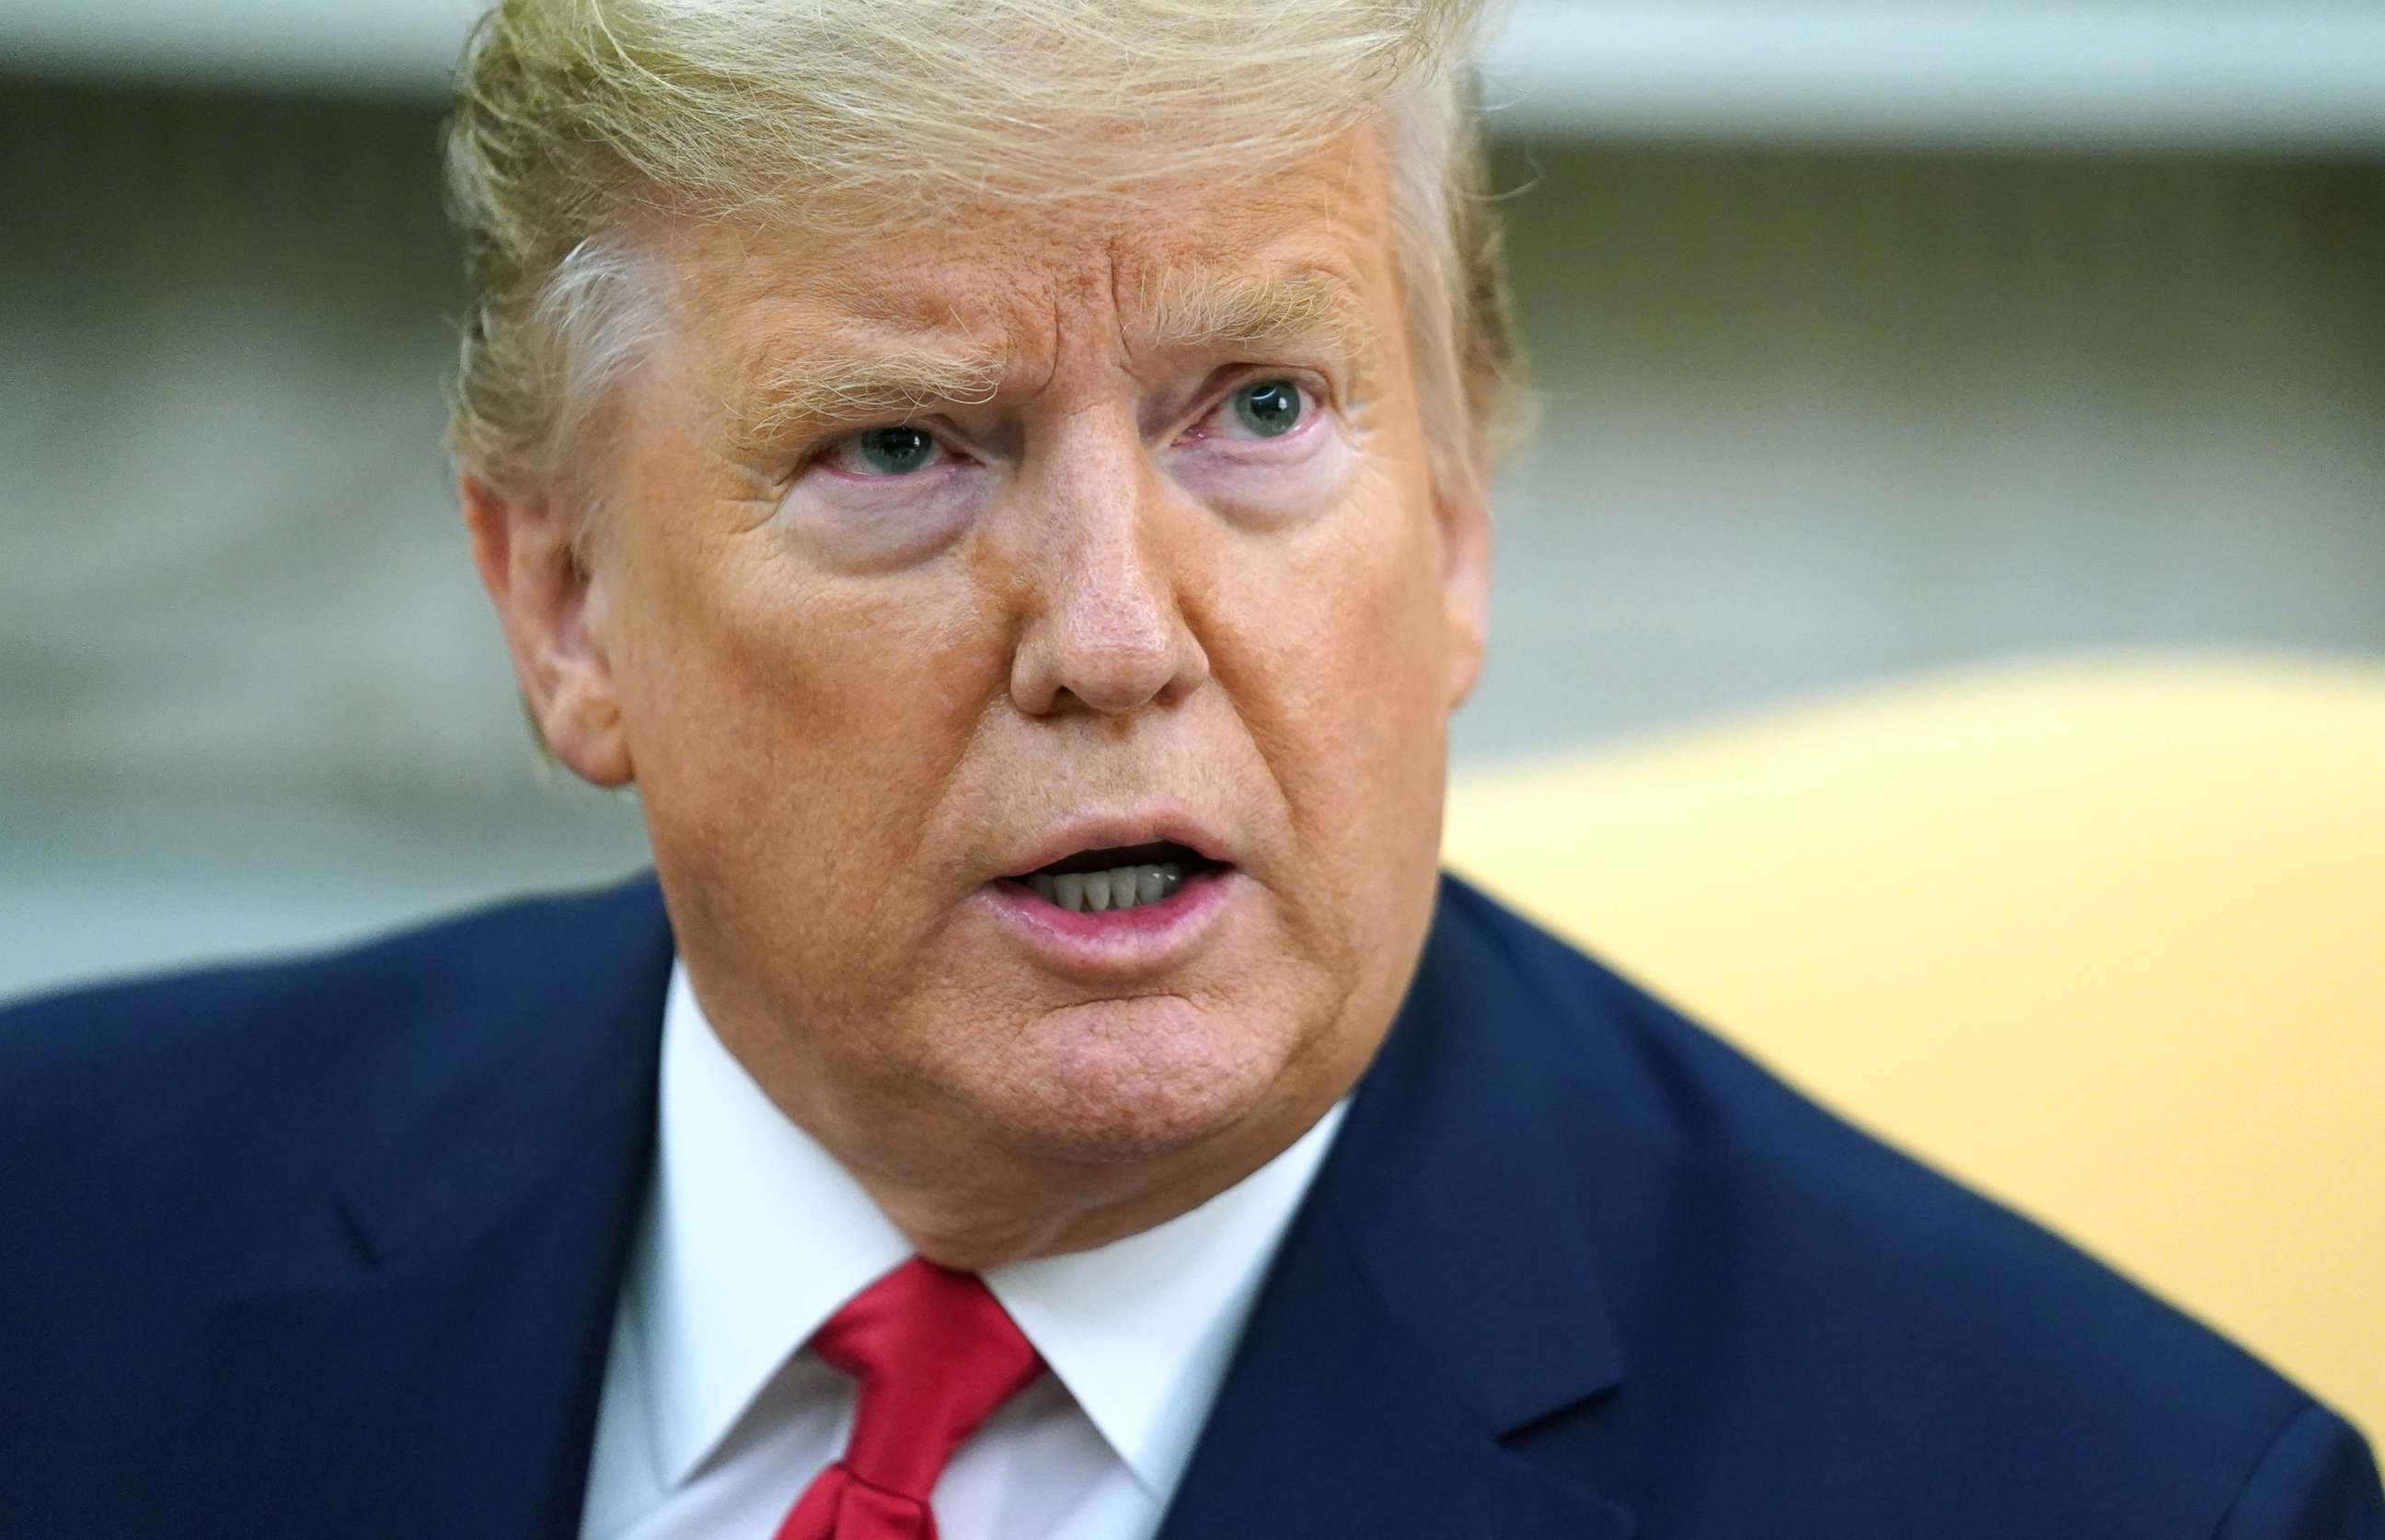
<point x="781" y="399"/>
<point x="1188" y="310"/>
<point x="1213" y="310"/>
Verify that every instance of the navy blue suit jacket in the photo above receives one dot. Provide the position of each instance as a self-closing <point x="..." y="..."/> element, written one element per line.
<point x="329" y="1249"/>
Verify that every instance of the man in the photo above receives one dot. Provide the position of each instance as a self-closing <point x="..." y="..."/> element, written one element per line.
<point x="1005" y="481"/>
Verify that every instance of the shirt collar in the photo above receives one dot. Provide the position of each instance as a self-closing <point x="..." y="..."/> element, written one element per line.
<point x="1140" y="1330"/>
<point x="757" y="1235"/>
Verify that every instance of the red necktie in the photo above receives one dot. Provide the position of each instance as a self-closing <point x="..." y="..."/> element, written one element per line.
<point x="934" y="1353"/>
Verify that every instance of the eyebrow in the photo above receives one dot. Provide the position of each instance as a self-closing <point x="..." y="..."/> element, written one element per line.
<point x="783" y="397"/>
<point x="1207" y="309"/>
<point x="1190" y="310"/>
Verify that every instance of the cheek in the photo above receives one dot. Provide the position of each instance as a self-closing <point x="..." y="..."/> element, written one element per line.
<point x="793" y="734"/>
<point x="1336" y="659"/>
<point x="1356" y="624"/>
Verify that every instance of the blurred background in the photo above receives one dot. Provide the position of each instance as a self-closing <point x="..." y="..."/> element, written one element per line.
<point x="1876" y="339"/>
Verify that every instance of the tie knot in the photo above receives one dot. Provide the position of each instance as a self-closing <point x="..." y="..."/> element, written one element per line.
<point x="934" y="1354"/>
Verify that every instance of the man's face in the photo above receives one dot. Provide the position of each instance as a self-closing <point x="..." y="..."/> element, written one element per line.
<point x="938" y="567"/>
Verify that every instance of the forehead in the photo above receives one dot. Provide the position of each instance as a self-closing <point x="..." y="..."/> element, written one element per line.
<point x="1308" y="245"/>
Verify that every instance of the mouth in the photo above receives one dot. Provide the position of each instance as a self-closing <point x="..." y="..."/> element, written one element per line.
<point x="1112" y="879"/>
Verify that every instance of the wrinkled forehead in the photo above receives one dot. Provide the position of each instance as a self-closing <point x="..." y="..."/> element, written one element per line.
<point x="1307" y="249"/>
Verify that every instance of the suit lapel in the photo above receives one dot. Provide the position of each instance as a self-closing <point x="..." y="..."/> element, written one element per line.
<point x="443" y="1378"/>
<point x="1332" y="1426"/>
<point x="1436" y="1294"/>
<point x="452" y="1393"/>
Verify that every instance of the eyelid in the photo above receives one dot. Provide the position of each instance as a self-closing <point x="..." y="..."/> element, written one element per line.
<point x="1312" y="388"/>
<point x="822" y="452"/>
<point x="1313" y="384"/>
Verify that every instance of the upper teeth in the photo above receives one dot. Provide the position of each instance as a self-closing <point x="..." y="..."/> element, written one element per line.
<point x="1121" y="887"/>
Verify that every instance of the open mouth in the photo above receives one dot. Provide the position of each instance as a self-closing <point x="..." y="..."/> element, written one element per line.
<point x="1117" y="878"/>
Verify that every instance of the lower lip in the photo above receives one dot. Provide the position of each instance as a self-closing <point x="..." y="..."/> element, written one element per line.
<point x="1146" y="936"/>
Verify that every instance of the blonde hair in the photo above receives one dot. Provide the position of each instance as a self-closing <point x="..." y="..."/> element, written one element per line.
<point x="576" y="119"/>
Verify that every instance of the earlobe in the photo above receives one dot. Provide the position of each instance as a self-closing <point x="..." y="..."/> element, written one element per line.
<point x="1464" y="518"/>
<point x="548" y="600"/>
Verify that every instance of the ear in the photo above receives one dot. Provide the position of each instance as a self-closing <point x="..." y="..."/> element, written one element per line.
<point x="1464" y="512"/>
<point x="548" y="601"/>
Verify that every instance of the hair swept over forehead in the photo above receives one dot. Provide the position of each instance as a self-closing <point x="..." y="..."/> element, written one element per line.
<point x="727" y="103"/>
<point x="575" y="117"/>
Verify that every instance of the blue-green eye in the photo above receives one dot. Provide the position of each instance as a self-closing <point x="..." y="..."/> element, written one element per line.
<point x="1269" y="408"/>
<point x="892" y="450"/>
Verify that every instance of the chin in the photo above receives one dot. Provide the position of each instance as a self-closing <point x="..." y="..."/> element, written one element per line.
<point x="1119" y="1081"/>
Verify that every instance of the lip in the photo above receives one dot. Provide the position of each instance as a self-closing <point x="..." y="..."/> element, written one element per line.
<point x="1145" y="939"/>
<point x="1101" y="832"/>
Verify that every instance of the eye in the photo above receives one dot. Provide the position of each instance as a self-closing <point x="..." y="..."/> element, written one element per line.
<point x="1268" y="408"/>
<point x="895" y="450"/>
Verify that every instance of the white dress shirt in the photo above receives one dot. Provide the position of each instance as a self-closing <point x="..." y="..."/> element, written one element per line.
<point x="715" y="1417"/>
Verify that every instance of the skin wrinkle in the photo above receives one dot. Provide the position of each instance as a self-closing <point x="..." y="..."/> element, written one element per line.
<point x="1214" y="307"/>
<point x="835" y="754"/>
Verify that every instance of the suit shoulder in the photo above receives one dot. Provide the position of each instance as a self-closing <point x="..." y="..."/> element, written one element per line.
<point x="163" y="1028"/>
<point x="1920" y="1308"/>
<point x="256" y="1069"/>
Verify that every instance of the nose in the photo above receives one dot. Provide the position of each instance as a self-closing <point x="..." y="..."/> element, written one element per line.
<point x="1105" y="631"/>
